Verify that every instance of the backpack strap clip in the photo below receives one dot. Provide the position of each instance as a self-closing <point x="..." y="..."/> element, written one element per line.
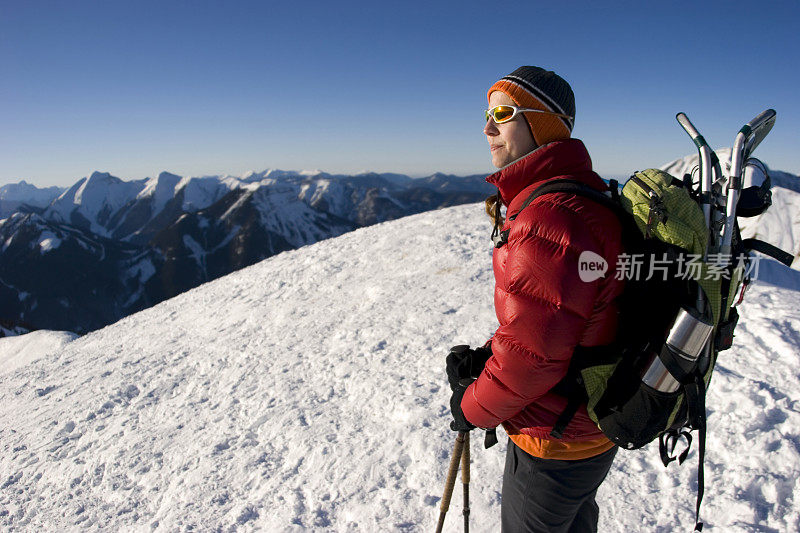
<point x="658" y="212"/>
<point x="500" y="238"/>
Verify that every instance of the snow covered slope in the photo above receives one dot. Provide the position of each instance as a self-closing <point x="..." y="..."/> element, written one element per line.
<point x="18" y="351"/>
<point x="307" y="392"/>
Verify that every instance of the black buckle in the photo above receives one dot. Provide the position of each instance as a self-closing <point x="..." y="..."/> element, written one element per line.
<point x="500" y="239"/>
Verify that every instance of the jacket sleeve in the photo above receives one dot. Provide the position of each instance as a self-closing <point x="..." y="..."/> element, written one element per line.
<point x="543" y="309"/>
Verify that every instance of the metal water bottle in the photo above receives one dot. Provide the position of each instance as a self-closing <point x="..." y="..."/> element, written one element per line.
<point x="687" y="337"/>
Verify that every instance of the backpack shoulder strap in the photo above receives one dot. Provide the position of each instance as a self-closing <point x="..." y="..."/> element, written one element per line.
<point x="630" y="232"/>
<point x="579" y="189"/>
<point x="568" y="186"/>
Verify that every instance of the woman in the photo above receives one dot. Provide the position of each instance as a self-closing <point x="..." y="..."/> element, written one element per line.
<point x="544" y="309"/>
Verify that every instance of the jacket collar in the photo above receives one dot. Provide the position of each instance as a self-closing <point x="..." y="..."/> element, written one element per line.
<point x="559" y="158"/>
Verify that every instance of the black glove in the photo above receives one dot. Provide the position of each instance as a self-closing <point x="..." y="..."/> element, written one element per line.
<point x="463" y="362"/>
<point x="463" y="367"/>
<point x="460" y="422"/>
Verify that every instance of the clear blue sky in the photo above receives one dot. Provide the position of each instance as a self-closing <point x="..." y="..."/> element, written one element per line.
<point x="196" y="88"/>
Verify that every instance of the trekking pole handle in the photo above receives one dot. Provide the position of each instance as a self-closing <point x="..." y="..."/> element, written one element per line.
<point x="706" y="162"/>
<point x="746" y="141"/>
<point x="734" y="188"/>
<point x="687" y="125"/>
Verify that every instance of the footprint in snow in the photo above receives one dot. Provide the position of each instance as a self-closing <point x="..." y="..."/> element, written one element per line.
<point x="45" y="391"/>
<point x="67" y="429"/>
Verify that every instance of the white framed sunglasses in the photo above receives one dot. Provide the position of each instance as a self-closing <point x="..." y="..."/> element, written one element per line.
<point x="503" y="113"/>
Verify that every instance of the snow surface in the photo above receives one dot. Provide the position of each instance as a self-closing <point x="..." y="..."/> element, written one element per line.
<point x="308" y="392"/>
<point x="18" y="351"/>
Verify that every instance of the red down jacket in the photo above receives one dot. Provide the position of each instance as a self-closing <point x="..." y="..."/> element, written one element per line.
<point x="543" y="308"/>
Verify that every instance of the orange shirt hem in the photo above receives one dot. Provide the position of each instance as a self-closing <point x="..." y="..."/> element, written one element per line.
<point x="557" y="449"/>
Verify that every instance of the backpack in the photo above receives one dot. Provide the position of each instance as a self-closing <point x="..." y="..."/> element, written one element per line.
<point x="675" y="318"/>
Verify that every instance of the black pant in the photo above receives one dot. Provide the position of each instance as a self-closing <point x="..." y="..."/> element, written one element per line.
<point x="551" y="496"/>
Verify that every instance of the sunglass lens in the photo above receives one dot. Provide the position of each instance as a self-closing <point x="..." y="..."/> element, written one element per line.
<point x="502" y="113"/>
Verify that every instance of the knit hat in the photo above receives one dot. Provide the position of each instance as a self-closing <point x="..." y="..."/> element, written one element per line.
<point x="536" y="88"/>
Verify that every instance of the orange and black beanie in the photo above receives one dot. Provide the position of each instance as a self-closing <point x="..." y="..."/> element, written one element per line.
<point x="536" y="88"/>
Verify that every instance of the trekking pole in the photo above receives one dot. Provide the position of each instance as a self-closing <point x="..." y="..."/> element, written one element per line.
<point x="455" y="461"/>
<point x="465" y="481"/>
<point x="746" y="141"/>
<point x="707" y="159"/>
<point x="708" y="162"/>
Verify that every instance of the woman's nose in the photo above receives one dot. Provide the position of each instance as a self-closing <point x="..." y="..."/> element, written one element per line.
<point x="490" y="129"/>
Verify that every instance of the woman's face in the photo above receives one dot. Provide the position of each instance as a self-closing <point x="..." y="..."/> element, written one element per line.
<point x="508" y="141"/>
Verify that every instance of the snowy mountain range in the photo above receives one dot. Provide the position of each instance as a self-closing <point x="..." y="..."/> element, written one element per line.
<point x="24" y="196"/>
<point x="81" y="258"/>
<point x="308" y="393"/>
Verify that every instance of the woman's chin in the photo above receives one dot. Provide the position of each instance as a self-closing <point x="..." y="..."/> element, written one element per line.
<point x="500" y="160"/>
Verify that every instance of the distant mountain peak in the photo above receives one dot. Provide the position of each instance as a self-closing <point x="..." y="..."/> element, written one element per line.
<point x="169" y="176"/>
<point x="102" y="176"/>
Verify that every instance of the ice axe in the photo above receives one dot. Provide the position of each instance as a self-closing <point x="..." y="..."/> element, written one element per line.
<point x="460" y="457"/>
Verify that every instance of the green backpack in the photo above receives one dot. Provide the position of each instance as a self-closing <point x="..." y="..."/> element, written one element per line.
<point x="683" y="290"/>
<point x="665" y="237"/>
<point x="675" y="318"/>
